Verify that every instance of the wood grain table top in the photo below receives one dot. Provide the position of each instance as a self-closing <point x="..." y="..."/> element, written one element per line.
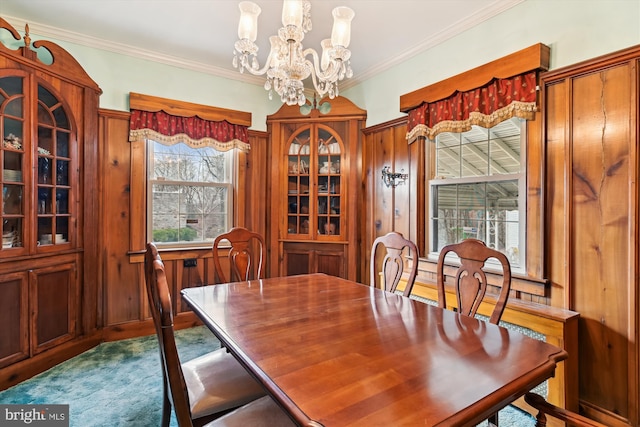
<point x="337" y="353"/>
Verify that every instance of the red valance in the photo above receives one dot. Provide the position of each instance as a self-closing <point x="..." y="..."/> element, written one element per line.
<point x="486" y="106"/>
<point x="194" y="131"/>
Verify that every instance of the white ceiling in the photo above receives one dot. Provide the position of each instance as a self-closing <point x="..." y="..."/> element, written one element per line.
<point x="199" y="34"/>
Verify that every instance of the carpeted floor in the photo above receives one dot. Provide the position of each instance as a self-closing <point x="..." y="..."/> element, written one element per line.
<point x="114" y="384"/>
<point x="119" y="383"/>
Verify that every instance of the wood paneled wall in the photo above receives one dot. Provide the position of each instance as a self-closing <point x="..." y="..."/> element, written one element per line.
<point x="591" y="131"/>
<point x="122" y="294"/>
<point x="385" y="208"/>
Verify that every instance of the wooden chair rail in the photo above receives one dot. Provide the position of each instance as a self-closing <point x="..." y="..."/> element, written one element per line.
<point x="427" y="270"/>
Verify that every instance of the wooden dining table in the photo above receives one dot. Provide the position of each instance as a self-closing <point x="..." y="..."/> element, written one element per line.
<point x="336" y="353"/>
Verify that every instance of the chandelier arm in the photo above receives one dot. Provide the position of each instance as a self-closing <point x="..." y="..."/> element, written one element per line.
<point x="328" y="77"/>
<point x="316" y="64"/>
<point x="315" y="70"/>
<point x="266" y="67"/>
<point x="331" y="74"/>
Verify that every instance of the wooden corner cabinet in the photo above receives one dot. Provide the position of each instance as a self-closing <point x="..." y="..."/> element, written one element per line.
<point x="48" y="123"/>
<point x="315" y="189"/>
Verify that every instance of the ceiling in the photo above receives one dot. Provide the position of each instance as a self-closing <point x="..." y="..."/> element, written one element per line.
<point x="200" y="34"/>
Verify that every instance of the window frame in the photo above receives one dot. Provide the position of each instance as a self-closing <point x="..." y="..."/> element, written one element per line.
<point x="231" y="177"/>
<point x="521" y="177"/>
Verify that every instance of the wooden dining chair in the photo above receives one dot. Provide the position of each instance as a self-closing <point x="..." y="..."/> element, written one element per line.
<point x="545" y="408"/>
<point x="470" y="282"/>
<point x="470" y="279"/>
<point x="391" y="267"/>
<point x="246" y="257"/>
<point x="202" y="388"/>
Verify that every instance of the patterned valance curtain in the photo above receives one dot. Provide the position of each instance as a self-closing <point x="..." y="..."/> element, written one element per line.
<point x="498" y="100"/>
<point x="196" y="132"/>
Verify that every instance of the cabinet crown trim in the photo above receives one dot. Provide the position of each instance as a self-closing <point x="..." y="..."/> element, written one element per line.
<point x="63" y="65"/>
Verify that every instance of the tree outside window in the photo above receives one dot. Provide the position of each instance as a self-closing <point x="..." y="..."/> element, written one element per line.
<point x="190" y="193"/>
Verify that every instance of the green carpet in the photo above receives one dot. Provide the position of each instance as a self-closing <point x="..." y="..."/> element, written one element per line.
<point x="119" y="383"/>
<point x="114" y="384"/>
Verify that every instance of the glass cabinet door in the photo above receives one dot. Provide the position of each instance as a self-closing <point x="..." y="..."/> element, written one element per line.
<point x="42" y="197"/>
<point x="12" y="125"/>
<point x="329" y="156"/>
<point x="299" y="163"/>
<point x="314" y="199"/>
<point x="53" y="173"/>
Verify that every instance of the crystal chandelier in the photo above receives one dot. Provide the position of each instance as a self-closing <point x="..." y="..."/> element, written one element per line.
<point x="288" y="65"/>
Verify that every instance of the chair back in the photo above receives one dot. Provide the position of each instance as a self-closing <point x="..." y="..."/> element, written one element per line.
<point x="470" y="279"/>
<point x="246" y="257"/>
<point x="393" y="264"/>
<point x="162" y="313"/>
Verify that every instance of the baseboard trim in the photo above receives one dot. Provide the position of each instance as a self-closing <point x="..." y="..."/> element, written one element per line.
<point x="143" y="328"/>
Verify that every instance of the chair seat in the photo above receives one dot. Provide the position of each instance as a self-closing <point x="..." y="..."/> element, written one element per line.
<point x="263" y="412"/>
<point x="216" y="382"/>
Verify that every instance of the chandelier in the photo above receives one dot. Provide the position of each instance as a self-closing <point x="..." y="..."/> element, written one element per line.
<point x="288" y="63"/>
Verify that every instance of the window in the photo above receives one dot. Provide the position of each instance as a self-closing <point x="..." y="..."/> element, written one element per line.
<point x="479" y="189"/>
<point x="190" y="193"/>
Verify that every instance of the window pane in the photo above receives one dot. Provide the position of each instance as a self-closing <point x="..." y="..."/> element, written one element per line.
<point x="474" y="152"/>
<point x="11" y="85"/>
<point x="215" y="212"/>
<point x="445" y="224"/>
<point x="165" y="213"/>
<point x="503" y="219"/>
<point x="505" y="147"/>
<point x="448" y="155"/>
<point x="451" y="167"/>
<point x="180" y="162"/>
<point x="475" y="158"/>
<point x="471" y="210"/>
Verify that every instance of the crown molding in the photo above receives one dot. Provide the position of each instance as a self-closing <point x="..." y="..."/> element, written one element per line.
<point x="453" y="30"/>
<point x="60" y="34"/>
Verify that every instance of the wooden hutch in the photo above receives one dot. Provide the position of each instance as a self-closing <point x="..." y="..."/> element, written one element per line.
<point x="49" y="255"/>
<point x="315" y="189"/>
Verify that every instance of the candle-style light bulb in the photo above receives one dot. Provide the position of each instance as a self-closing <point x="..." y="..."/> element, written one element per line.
<point x="292" y="13"/>
<point x="248" y="25"/>
<point x="341" y="33"/>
